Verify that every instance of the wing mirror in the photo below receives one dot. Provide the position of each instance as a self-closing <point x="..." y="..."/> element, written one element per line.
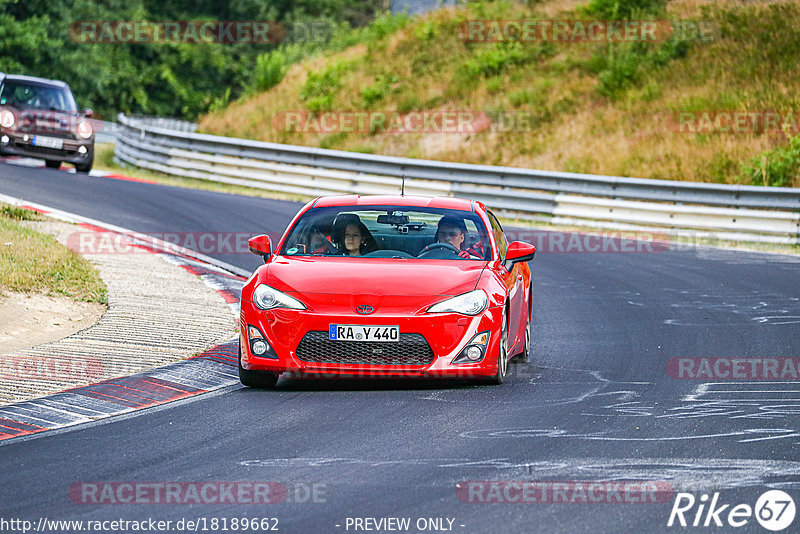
<point x="261" y="245"/>
<point x="519" y="251"/>
<point x="88" y="113"/>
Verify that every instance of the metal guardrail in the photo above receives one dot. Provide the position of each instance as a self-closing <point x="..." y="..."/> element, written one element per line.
<point x="106" y="132"/>
<point x="741" y="213"/>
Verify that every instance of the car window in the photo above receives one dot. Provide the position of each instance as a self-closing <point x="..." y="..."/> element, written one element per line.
<point x="397" y="232"/>
<point x="499" y="236"/>
<point x="34" y="96"/>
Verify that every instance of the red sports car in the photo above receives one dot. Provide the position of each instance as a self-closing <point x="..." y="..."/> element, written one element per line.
<point x="399" y="286"/>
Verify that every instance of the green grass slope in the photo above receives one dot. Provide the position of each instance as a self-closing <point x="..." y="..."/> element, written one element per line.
<point x="570" y="106"/>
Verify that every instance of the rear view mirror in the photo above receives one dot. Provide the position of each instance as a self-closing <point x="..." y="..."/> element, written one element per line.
<point x="396" y="220"/>
<point x="260" y="245"/>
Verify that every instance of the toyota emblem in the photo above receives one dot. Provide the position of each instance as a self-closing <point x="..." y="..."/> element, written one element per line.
<point x="365" y="309"/>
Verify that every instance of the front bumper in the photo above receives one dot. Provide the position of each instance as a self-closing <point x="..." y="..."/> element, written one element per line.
<point x="21" y="144"/>
<point x="446" y="334"/>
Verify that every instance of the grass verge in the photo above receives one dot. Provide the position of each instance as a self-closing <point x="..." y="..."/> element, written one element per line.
<point x="31" y="262"/>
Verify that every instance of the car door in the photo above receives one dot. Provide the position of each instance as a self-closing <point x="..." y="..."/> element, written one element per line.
<point x="512" y="281"/>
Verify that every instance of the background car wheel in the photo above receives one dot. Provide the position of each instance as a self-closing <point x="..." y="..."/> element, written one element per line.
<point x="50" y="164"/>
<point x="256" y="379"/>
<point x="85" y="167"/>
<point x="502" y="356"/>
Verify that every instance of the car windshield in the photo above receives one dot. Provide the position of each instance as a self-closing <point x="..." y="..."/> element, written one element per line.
<point x="397" y="232"/>
<point x="34" y="96"/>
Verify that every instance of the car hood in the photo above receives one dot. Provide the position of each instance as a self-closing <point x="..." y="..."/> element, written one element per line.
<point x="375" y="277"/>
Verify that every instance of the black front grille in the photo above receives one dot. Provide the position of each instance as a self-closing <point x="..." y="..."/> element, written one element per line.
<point x="47" y="150"/>
<point x="412" y="349"/>
<point x="46" y="131"/>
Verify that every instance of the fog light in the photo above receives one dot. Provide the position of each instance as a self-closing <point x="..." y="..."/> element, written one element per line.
<point x="4" y="139"/>
<point x="474" y="353"/>
<point x="475" y="349"/>
<point x="25" y="138"/>
<point x="259" y="347"/>
<point x="81" y="150"/>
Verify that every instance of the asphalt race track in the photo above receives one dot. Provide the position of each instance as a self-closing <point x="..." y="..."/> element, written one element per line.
<point x="596" y="403"/>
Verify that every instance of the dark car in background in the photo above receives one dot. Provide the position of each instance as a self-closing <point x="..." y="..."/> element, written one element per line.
<point x="39" y="118"/>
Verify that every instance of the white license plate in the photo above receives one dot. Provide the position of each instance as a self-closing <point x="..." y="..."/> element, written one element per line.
<point x="49" y="142"/>
<point x="357" y="332"/>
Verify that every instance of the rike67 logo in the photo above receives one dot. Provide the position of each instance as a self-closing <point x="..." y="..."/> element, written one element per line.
<point x="774" y="510"/>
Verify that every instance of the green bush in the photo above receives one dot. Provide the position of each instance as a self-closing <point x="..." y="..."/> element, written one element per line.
<point x="270" y="69"/>
<point x="492" y="61"/>
<point x="321" y="87"/>
<point x="778" y="167"/>
<point x="620" y="65"/>
<point x="375" y="92"/>
<point x="524" y="96"/>
<point x="623" y="9"/>
<point x="409" y="103"/>
<point x="426" y="30"/>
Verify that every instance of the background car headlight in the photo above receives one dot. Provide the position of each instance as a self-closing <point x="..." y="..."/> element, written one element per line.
<point x="84" y="130"/>
<point x="471" y="303"/>
<point x="268" y="298"/>
<point x="6" y="119"/>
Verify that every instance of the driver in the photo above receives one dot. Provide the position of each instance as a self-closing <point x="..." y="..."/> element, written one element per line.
<point x="453" y="231"/>
<point x="47" y="100"/>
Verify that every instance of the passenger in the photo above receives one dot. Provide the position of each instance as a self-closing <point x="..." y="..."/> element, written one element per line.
<point x="352" y="237"/>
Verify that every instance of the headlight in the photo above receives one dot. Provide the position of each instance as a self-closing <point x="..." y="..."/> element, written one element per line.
<point x="6" y="119"/>
<point x="471" y="303"/>
<point x="84" y="130"/>
<point x="268" y="298"/>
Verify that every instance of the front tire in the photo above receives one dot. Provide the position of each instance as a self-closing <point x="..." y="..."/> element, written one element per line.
<point x="522" y="357"/>
<point x="502" y="355"/>
<point x="85" y="167"/>
<point x="256" y="379"/>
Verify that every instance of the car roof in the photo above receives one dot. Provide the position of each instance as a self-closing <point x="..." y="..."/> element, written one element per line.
<point x="34" y="80"/>
<point x="410" y="201"/>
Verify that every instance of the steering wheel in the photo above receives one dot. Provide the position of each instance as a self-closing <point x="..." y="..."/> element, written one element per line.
<point x="438" y="246"/>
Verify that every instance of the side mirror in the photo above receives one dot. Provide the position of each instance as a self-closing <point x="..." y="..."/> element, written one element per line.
<point x="519" y="251"/>
<point x="260" y="245"/>
<point x="88" y="113"/>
